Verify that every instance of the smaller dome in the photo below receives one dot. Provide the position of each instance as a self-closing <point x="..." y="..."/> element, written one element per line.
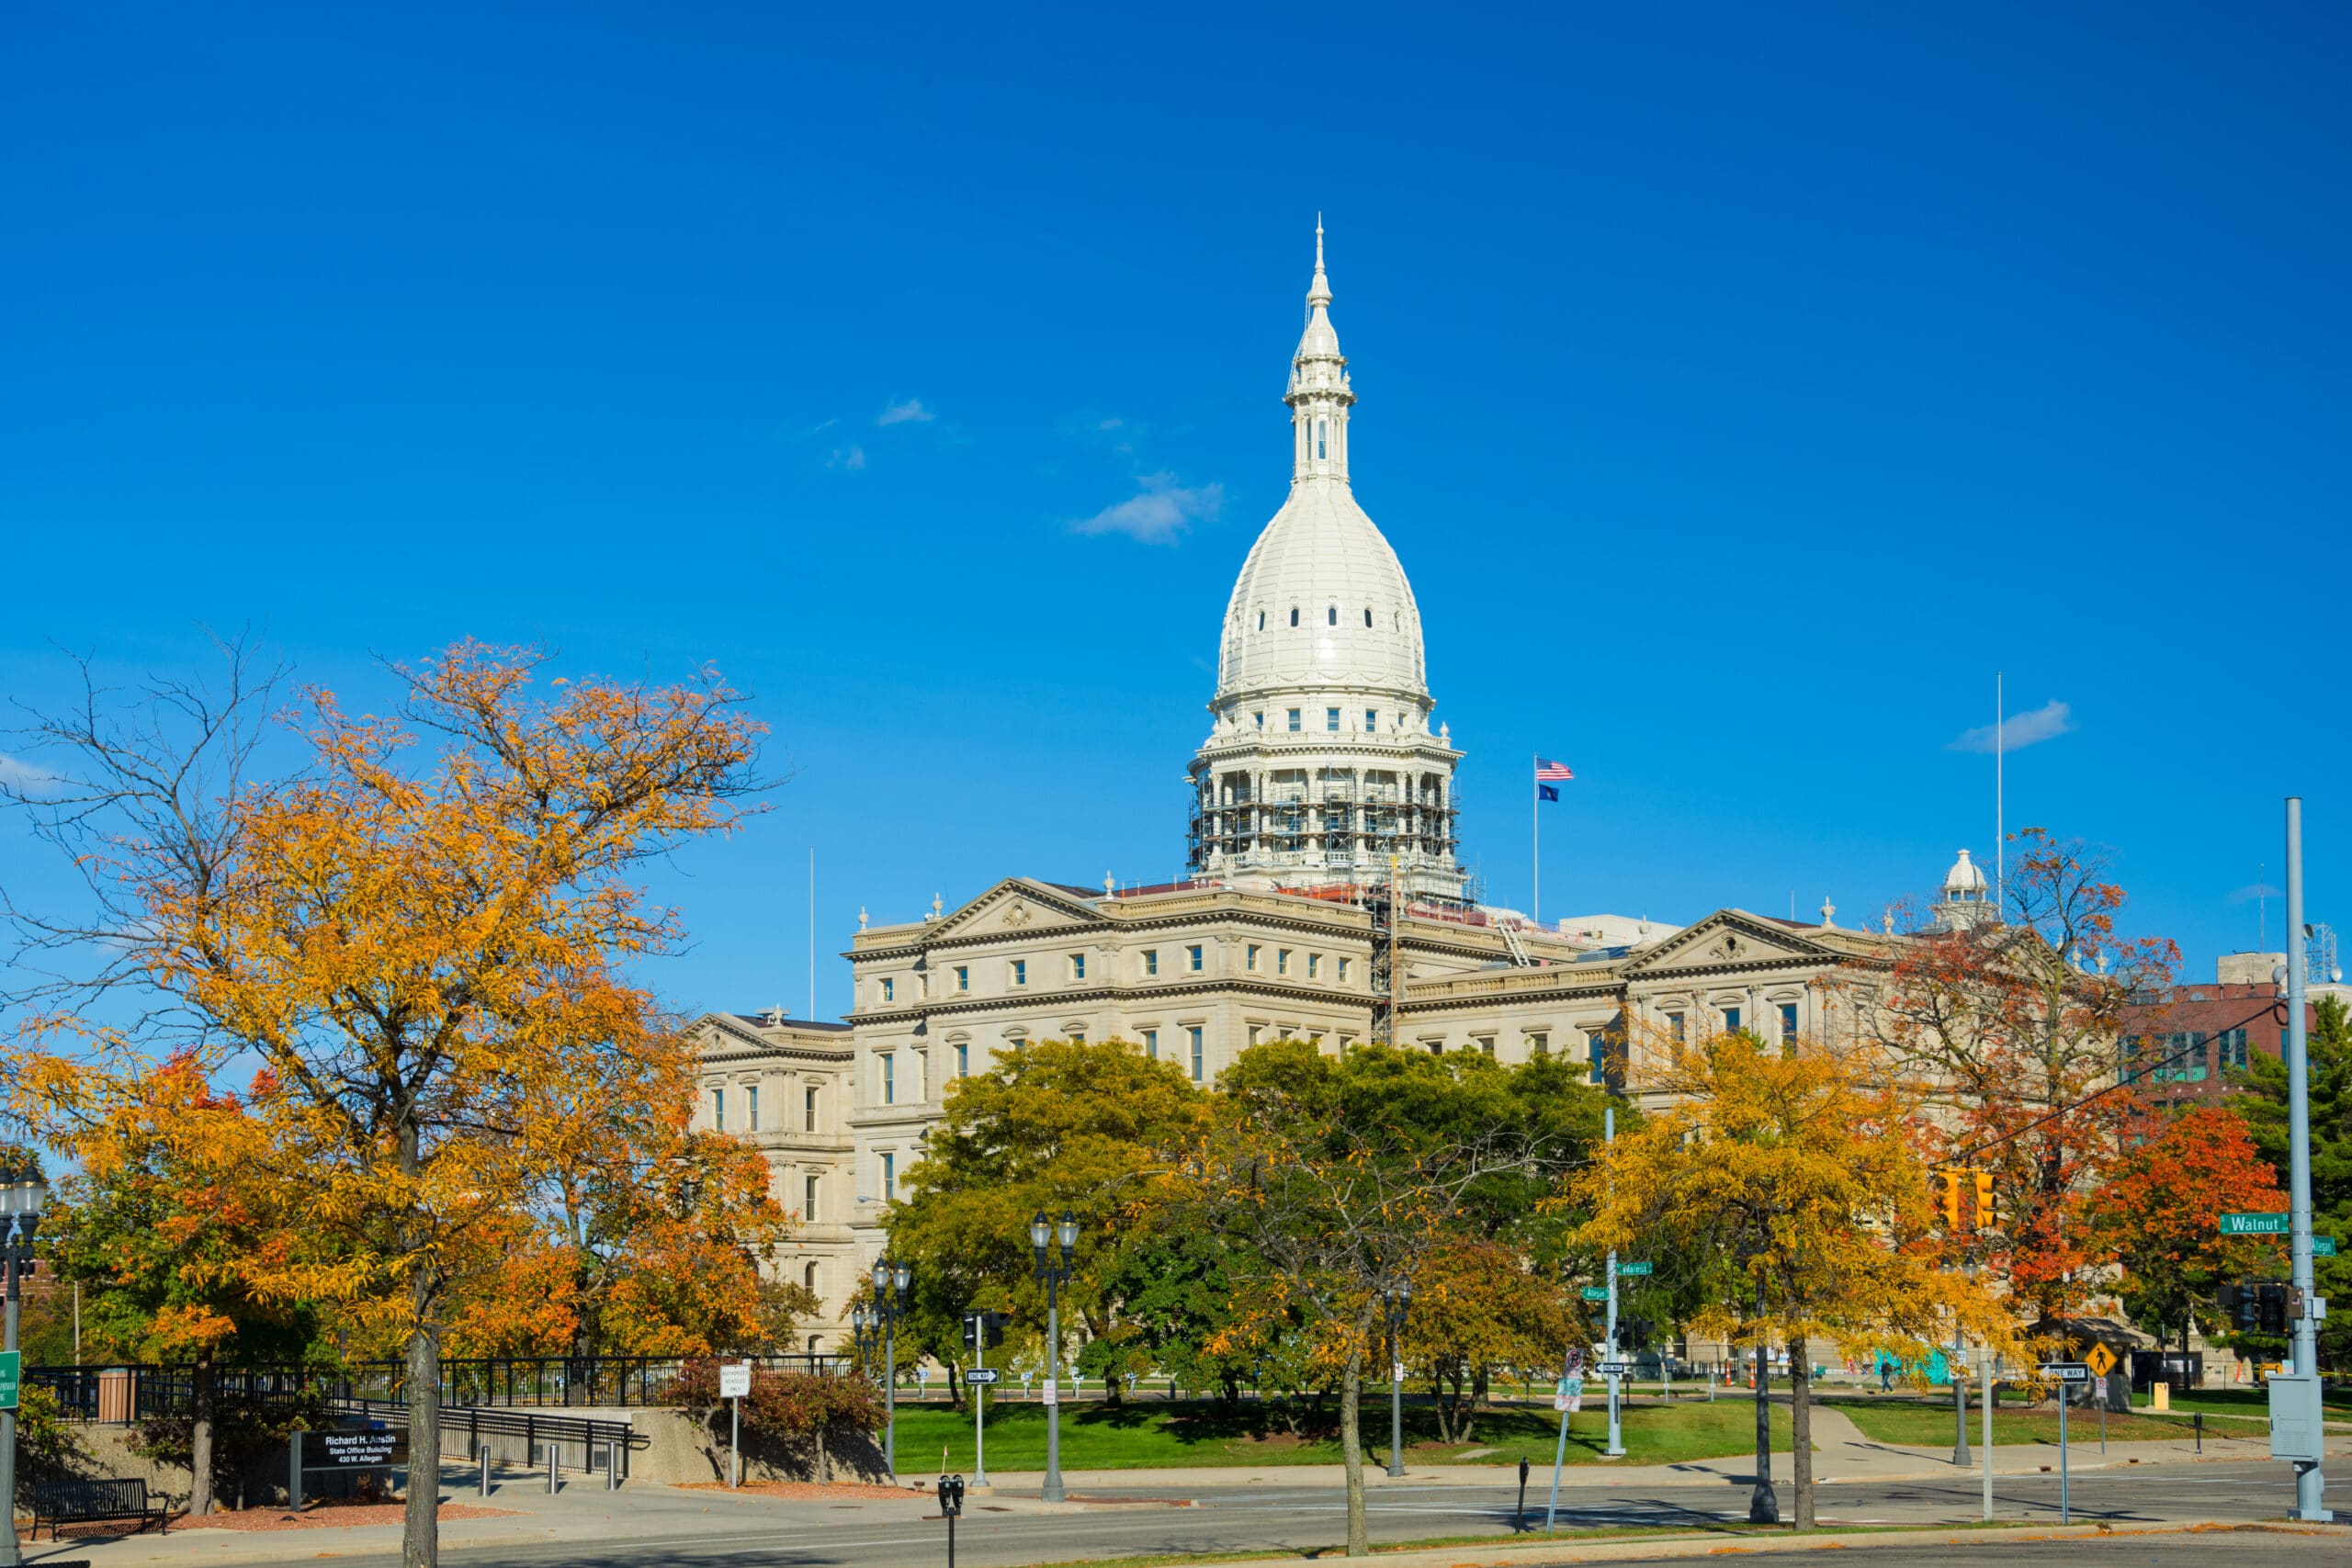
<point x="1965" y="876"/>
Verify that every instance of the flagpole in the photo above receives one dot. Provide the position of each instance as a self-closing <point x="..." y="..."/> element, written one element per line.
<point x="1535" y="829"/>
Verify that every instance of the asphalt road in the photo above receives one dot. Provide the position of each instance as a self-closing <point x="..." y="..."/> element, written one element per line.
<point x="684" y="1528"/>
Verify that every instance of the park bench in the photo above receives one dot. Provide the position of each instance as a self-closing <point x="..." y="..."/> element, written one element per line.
<point x="80" y="1502"/>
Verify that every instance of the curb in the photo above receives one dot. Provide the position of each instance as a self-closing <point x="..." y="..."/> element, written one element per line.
<point x="1555" y="1549"/>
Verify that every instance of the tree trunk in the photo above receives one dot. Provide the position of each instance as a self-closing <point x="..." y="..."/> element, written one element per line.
<point x="1763" y="1503"/>
<point x="1801" y="1429"/>
<point x="1352" y="1451"/>
<point x="420" y="1525"/>
<point x="202" y="1400"/>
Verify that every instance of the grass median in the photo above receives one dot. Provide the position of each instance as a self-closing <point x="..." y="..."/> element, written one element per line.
<point x="1154" y="1434"/>
<point x="1921" y="1424"/>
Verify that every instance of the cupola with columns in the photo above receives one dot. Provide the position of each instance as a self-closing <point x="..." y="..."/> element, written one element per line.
<point x="1322" y="764"/>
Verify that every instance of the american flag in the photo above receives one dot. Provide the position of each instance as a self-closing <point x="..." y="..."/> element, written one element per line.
<point x="1547" y="769"/>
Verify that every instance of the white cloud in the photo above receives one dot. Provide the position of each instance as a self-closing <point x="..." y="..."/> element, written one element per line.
<point x="911" y="411"/>
<point x="1159" y="515"/>
<point x="16" y="774"/>
<point x="1114" y="423"/>
<point x="850" y="458"/>
<point x="2254" y="890"/>
<point x="2047" y="722"/>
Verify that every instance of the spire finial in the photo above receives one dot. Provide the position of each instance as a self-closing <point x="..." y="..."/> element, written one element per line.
<point x="1319" y="292"/>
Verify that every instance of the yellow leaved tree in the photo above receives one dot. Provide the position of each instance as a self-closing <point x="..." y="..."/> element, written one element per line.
<point x="1789" y="1180"/>
<point x="413" y="928"/>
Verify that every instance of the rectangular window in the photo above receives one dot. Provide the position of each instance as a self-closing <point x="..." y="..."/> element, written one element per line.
<point x="1596" y="1052"/>
<point x="1343" y="971"/>
<point x="718" y="1110"/>
<point x="752" y="1109"/>
<point x="1371" y="720"/>
<point x="889" y="1078"/>
<point x="1294" y="721"/>
<point x="2128" y="1068"/>
<point x="1331" y="720"/>
<point x="1282" y="961"/>
<point x="963" y="978"/>
<point x="963" y="1060"/>
<point x="1249" y="958"/>
<point x="1256" y="1029"/>
<point x="1539" y="1044"/>
<point x="1731" y="1020"/>
<point x="1192" y="957"/>
<point x="1674" y="1027"/>
<point x="889" y="1176"/>
<point x="1260" y="719"/>
<point x="1195" y="1035"/>
<point x="1314" y="964"/>
<point x="809" y="1200"/>
<point x="1078" y="1037"/>
<point x="1788" y="1023"/>
<point x="2234" y="1049"/>
<point x="1078" y="967"/>
<point x="1151" y="961"/>
<point x="807" y="1110"/>
<point x="1486" y="1043"/>
<point x="1020" y="971"/>
<point x="890" y="989"/>
<point x="1151" y="1044"/>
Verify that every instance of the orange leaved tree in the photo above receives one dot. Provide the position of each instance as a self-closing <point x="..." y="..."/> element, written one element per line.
<point x="1793" y="1167"/>
<point x="2014" y="1030"/>
<point x="416" y="931"/>
<point x="2157" y="1217"/>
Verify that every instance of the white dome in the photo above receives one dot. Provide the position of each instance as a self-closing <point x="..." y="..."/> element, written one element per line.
<point x="1322" y="562"/>
<point x="1965" y="876"/>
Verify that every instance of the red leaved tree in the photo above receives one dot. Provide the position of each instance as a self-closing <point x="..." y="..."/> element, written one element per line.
<point x="2157" y="1217"/>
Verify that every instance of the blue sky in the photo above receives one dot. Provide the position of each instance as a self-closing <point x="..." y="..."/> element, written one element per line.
<point x="1741" y="385"/>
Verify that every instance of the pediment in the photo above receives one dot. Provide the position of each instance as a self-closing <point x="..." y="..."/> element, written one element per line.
<point x="1728" y="939"/>
<point x="1017" y="906"/>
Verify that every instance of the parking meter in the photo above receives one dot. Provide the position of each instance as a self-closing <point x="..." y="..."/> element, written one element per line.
<point x="951" y="1503"/>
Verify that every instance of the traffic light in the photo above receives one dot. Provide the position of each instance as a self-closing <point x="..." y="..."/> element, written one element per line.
<point x="1637" y="1333"/>
<point x="1986" y="1216"/>
<point x="983" y="1330"/>
<point x="1948" y="1197"/>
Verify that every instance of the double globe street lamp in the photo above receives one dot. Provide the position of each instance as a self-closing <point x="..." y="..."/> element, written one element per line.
<point x="877" y="1328"/>
<point x="23" y="1196"/>
<point x="1395" y="1301"/>
<point x="1053" y="1274"/>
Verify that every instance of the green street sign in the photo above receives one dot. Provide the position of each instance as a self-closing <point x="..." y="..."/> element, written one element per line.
<point x="1596" y="1294"/>
<point x="1634" y="1267"/>
<point x="2323" y="1246"/>
<point x="2254" y="1224"/>
<point x="11" y="1374"/>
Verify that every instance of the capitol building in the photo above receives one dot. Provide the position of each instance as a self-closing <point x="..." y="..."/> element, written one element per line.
<point x="1326" y="901"/>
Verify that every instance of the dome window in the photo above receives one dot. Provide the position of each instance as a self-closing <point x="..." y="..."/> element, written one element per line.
<point x="1261" y="620"/>
<point x="1331" y="616"/>
<point x="1367" y="615"/>
<point x="1294" y="615"/>
<point x="1320" y="430"/>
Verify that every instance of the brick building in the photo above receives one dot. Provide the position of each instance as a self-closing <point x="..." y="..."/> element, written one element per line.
<point x="2192" y="1044"/>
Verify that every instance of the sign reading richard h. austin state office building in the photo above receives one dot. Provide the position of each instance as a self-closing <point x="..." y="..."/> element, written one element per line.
<point x="1326" y="901"/>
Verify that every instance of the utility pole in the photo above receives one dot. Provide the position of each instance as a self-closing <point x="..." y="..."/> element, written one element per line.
<point x="1616" y="1448"/>
<point x="2310" y="1487"/>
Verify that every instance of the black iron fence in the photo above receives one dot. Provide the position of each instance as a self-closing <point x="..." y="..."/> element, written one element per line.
<point x="132" y="1393"/>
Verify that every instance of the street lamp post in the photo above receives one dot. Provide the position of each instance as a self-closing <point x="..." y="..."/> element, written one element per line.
<point x="1053" y="1274"/>
<point x="22" y="1195"/>
<point x="1395" y="1300"/>
<point x="877" y="1329"/>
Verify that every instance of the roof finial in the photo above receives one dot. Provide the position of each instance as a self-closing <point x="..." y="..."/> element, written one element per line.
<point x="1319" y="292"/>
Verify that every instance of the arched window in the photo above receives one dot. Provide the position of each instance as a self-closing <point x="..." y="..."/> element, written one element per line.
<point x="1368" y="615"/>
<point x="1261" y="620"/>
<point x="1331" y="616"/>
<point x="808" y="1278"/>
<point x="1319" y="433"/>
<point x="1294" y="615"/>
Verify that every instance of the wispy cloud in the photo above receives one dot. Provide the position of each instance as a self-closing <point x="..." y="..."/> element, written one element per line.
<point x="852" y="458"/>
<point x="911" y="412"/>
<point x="21" y="776"/>
<point x="2047" y="722"/>
<point x="1159" y="513"/>
<point x="2254" y="890"/>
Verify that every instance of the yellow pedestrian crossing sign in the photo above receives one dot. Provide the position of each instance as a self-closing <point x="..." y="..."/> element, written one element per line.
<point x="2101" y="1361"/>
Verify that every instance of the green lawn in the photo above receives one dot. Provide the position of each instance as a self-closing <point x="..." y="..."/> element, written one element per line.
<point x="1903" y="1421"/>
<point x="2253" y="1402"/>
<point x="1155" y="1433"/>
